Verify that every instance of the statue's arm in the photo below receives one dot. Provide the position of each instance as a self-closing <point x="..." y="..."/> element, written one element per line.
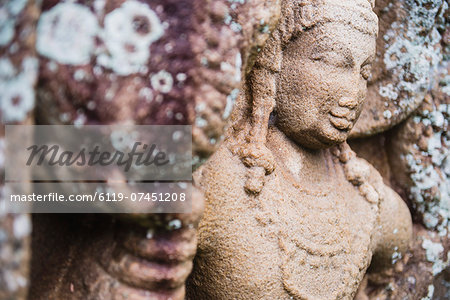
<point x="394" y="231"/>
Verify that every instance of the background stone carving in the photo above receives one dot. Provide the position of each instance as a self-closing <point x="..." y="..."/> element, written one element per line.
<point x="413" y="156"/>
<point x="149" y="62"/>
<point x="408" y="51"/>
<point x="18" y="73"/>
<point x="138" y="62"/>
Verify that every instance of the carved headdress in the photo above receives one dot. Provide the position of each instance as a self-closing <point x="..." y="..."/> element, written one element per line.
<point x="356" y="13"/>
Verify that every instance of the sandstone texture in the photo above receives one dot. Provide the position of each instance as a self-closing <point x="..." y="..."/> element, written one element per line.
<point x="408" y="50"/>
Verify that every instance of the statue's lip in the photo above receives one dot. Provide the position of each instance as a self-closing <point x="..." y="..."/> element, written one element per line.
<point x="341" y="123"/>
<point x="343" y="112"/>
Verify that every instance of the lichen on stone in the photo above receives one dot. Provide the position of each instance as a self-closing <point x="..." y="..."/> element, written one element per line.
<point x="434" y="252"/>
<point x="430" y="190"/>
<point x="17" y="96"/>
<point x="9" y="11"/>
<point x="66" y="33"/>
<point x="128" y="33"/>
<point x="411" y="56"/>
<point x="162" y="81"/>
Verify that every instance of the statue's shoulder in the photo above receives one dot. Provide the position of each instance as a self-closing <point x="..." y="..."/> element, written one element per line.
<point x="223" y="170"/>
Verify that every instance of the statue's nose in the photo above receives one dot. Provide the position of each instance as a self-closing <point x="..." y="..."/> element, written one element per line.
<point x="350" y="102"/>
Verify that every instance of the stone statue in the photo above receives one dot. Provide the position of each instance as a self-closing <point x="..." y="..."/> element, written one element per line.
<point x="291" y="212"/>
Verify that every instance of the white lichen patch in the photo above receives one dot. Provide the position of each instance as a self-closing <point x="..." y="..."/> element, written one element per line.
<point x="430" y="170"/>
<point x="128" y="33"/>
<point x="177" y="135"/>
<point x="233" y="69"/>
<point x="2" y="153"/>
<point x="387" y="114"/>
<point x="446" y="85"/>
<point x="433" y="253"/>
<point x="230" y="103"/>
<point x="21" y="226"/>
<point x="9" y="10"/>
<point x="396" y="256"/>
<point x="430" y="293"/>
<point x="80" y="75"/>
<point x="150" y="233"/>
<point x="236" y="27"/>
<point x="66" y="33"/>
<point x="238" y="66"/>
<point x="99" y="7"/>
<point x="80" y="120"/>
<point x="174" y="224"/>
<point x="17" y="95"/>
<point x="388" y="91"/>
<point x="412" y="54"/>
<point x="123" y="139"/>
<point x="200" y="122"/>
<point x="181" y="77"/>
<point x="146" y="94"/>
<point x="162" y="82"/>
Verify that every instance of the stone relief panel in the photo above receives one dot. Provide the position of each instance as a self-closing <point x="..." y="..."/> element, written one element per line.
<point x="273" y="89"/>
<point x="413" y="155"/>
<point x="271" y="228"/>
<point x="408" y="51"/>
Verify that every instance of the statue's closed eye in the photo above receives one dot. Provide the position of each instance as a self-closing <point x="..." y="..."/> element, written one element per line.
<point x="332" y="58"/>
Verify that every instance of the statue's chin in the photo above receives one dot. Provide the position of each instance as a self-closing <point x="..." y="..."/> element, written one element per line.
<point x="321" y="140"/>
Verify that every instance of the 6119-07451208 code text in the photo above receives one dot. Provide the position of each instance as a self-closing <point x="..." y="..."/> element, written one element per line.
<point x="98" y="196"/>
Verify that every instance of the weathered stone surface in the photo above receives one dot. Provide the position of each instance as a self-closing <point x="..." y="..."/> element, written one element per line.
<point x="183" y="62"/>
<point x="18" y="73"/>
<point x="419" y="152"/>
<point x="149" y="62"/>
<point x="101" y="257"/>
<point x="420" y="274"/>
<point x="269" y="247"/>
<point x="138" y="62"/>
<point x="417" y="155"/>
<point x="15" y="231"/>
<point x="18" y="63"/>
<point x="408" y="49"/>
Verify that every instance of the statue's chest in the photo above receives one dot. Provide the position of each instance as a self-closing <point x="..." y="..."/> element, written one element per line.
<point x="323" y="233"/>
<point x="334" y="218"/>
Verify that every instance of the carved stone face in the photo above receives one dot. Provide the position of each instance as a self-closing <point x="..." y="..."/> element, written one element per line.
<point x="322" y="84"/>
